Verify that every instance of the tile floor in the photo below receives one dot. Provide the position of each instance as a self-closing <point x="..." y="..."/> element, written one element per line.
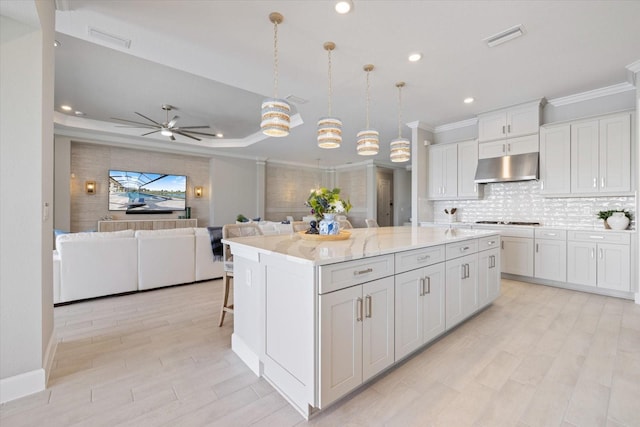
<point x="539" y="356"/>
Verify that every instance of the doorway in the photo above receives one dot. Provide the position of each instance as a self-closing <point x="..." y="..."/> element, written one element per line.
<point x="384" y="197"/>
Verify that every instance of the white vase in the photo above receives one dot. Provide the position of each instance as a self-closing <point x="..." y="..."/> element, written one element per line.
<point x="618" y="221"/>
<point x="328" y="225"/>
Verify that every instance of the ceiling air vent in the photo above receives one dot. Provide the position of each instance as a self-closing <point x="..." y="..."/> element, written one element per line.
<point x="109" y="38"/>
<point x="296" y="99"/>
<point x="505" y="36"/>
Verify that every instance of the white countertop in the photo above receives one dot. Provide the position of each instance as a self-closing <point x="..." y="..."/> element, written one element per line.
<point x="364" y="242"/>
<point x="598" y="228"/>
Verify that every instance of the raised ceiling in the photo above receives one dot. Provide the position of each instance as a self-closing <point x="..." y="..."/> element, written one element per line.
<point x="214" y="61"/>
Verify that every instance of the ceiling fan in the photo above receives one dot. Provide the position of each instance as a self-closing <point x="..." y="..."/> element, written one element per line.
<point x="169" y="127"/>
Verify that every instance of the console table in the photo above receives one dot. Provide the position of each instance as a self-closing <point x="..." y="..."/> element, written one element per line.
<point x="146" y="224"/>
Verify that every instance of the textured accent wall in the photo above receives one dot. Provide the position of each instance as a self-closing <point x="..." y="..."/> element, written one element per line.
<point x="353" y="186"/>
<point x="287" y="189"/>
<point x="92" y="162"/>
<point x="521" y="201"/>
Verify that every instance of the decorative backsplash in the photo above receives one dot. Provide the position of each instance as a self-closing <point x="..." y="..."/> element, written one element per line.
<point x="521" y="201"/>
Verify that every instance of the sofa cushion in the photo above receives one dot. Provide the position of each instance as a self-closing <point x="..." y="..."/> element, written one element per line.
<point x="187" y="231"/>
<point x="165" y="257"/>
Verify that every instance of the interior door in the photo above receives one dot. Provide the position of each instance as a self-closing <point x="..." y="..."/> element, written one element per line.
<point x="385" y="199"/>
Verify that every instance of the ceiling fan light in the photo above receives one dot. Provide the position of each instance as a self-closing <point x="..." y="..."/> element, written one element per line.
<point x="329" y="132"/>
<point x="400" y="150"/>
<point x="368" y="142"/>
<point x="166" y="132"/>
<point x="276" y="117"/>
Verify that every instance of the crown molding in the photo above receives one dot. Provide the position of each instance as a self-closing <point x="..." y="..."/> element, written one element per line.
<point x="633" y="70"/>
<point x="456" y="125"/>
<point x="420" y="125"/>
<point x="591" y="94"/>
<point x="634" y="66"/>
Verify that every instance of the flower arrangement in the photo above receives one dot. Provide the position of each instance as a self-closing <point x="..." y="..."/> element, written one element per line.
<point x="324" y="201"/>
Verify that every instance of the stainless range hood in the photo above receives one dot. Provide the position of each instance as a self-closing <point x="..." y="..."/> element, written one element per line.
<point x="521" y="167"/>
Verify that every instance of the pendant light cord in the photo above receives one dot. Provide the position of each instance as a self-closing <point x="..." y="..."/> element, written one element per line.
<point x="275" y="60"/>
<point x="330" y="85"/>
<point x="399" y="112"/>
<point x="367" y="109"/>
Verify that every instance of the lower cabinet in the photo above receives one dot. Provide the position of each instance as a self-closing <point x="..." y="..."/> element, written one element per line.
<point x="461" y="293"/>
<point x="419" y="307"/>
<point x="551" y="260"/>
<point x="604" y="265"/>
<point x="356" y="336"/>
<point x="488" y="276"/>
<point x="517" y="255"/>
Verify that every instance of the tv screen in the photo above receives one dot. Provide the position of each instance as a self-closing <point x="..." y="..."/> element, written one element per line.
<point x="145" y="192"/>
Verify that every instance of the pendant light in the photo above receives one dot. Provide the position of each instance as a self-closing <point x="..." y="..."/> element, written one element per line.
<point x="368" y="144"/>
<point x="276" y="113"/>
<point x="400" y="147"/>
<point x="329" y="128"/>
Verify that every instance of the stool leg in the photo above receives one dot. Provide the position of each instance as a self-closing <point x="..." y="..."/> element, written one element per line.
<point x="225" y="298"/>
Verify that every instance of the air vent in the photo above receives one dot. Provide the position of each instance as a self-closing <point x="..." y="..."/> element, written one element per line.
<point x="109" y="38"/>
<point x="505" y="36"/>
<point x="296" y="99"/>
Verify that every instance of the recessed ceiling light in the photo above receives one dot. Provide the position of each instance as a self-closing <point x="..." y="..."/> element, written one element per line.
<point x="66" y="108"/>
<point x="469" y="100"/>
<point x="79" y="113"/>
<point x="219" y="135"/>
<point x="415" y="57"/>
<point x="56" y="43"/>
<point x="344" y="6"/>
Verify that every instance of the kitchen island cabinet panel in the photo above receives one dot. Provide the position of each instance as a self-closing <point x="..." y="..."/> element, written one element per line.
<point x="488" y="276"/>
<point x="461" y="294"/>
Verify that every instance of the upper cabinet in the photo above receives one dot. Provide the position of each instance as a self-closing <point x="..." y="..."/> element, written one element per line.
<point x="510" y="122"/>
<point x="452" y="169"/>
<point x="598" y="151"/>
<point x="509" y="147"/>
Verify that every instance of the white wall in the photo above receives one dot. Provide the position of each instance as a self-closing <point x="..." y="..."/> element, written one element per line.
<point x="401" y="196"/>
<point x="62" y="187"/>
<point x="233" y="189"/>
<point x="26" y="205"/>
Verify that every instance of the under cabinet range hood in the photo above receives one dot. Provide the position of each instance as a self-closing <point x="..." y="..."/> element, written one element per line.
<point x="520" y="167"/>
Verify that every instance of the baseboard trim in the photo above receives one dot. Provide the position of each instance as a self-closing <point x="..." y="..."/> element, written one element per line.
<point x="22" y="385"/>
<point x="52" y="346"/>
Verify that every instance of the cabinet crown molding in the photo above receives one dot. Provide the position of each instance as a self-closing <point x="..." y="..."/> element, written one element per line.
<point x="592" y="94"/>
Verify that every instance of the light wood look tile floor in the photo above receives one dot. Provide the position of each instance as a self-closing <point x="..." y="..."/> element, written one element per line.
<point x="539" y="356"/>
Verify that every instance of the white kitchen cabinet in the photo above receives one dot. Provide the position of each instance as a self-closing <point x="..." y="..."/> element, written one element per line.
<point x="508" y="147"/>
<point x="510" y="122"/>
<point x="443" y="171"/>
<point x="419" y="308"/>
<point x="356" y="336"/>
<point x="555" y="158"/>
<point x="601" y="155"/>
<point x="488" y="276"/>
<point x="517" y="255"/>
<point x="599" y="259"/>
<point x="461" y="295"/>
<point x="551" y="258"/>
<point x="467" y="164"/>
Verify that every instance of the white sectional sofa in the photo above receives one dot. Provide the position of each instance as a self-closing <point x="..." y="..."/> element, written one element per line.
<point x="89" y="265"/>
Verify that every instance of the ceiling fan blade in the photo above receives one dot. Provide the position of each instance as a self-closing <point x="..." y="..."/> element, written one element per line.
<point x="136" y="127"/>
<point x="195" y="127"/>
<point x="173" y="138"/>
<point x="173" y="121"/>
<point x="137" y="123"/>
<point x="198" y="133"/>
<point x="188" y="136"/>
<point x="149" y="133"/>
<point x="151" y="120"/>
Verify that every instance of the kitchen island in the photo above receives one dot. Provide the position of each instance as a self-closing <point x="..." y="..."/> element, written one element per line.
<point x="317" y="319"/>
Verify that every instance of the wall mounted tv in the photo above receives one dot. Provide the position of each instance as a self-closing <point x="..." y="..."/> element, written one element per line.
<point x="146" y="193"/>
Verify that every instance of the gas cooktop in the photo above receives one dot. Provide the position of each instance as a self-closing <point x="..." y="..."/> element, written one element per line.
<point x="508" y="223"/>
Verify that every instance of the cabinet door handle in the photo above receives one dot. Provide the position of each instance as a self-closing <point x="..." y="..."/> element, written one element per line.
<point x="504" y="147"/>
<point x="368" y="270"/>
<point x="491" y="242"/>
<point x="601" y="182"/>
<point x="593" y="253"/>
<point x="601" y="253"/>
<point x="475" y="188"/>
<point x="467" y="268"/>
<point x="465" y="248"/>
<point x="369" y="306"/>
<point x="428" y="281"/>
<point x="503" y="132"/>
<point x="537" y="248"/>
<point x="509" y="147"/>
<point x="550" y="234"/>
<point x="462" y="271"/>
<point x="502" y="245"/>
<point x="423" y="258"/>
<point x="541" y="184"/>
<point x="493" y="261"/>
<point x="421" y="285"/>
<point x="508" y="128"/>
<point x="359" y="315"/>
<point x="595" y="182"/>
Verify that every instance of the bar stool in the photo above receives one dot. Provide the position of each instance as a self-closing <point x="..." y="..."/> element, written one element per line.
<point x="371" y="223"/>
<point x="229" y="231"/>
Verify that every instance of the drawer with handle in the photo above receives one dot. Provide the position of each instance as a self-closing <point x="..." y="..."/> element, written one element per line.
<point x="344" y="274"/>
<point x="458" y="249"/>
<point x="490" y="242"/>
<point x="550" y="234"/>
<point x="599" y="236"/>
<point x="410" y="260"/>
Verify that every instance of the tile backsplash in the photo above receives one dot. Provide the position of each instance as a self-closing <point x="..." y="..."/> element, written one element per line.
<point x="521" y="201"/>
